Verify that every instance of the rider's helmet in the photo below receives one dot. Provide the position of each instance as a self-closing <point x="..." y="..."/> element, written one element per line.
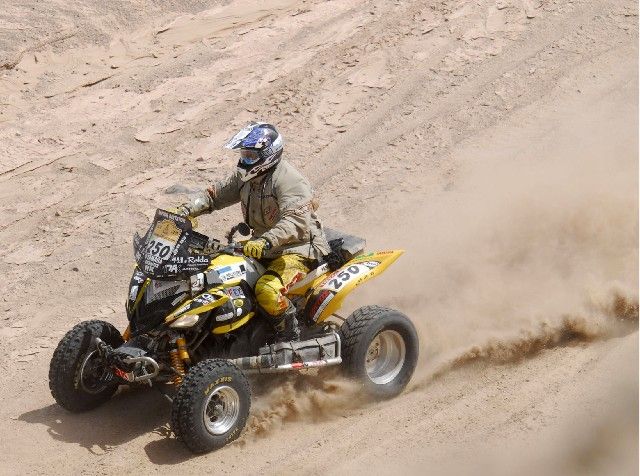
<point x="260" y="147"/>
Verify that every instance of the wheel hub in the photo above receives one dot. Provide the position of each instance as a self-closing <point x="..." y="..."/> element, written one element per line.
<point x="92" y="373"/>
<point x="385" y="357"/>
<point x="221" y="410"/>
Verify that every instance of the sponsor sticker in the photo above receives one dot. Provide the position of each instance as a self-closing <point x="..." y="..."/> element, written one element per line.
<point x="370" y="264"/>
<point x="235" y="292"/>
<point x="198" y="259"/>
<point x="224" y="317"/>
<point x="232" y="275"/>
<point x="321" y="302"/>
<point x="197" y="282"/>
<point x="228" y="273"/>
<point x="205" y="298"/>
<point x="133" y="293"/>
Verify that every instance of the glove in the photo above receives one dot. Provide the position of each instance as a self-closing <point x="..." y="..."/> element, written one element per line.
<point x="183" y="210"/>
<point x="211" y="247"/>
<point x="256" y="248"/>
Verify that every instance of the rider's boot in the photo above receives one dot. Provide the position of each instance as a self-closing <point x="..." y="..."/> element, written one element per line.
<point x="286" y="325"/>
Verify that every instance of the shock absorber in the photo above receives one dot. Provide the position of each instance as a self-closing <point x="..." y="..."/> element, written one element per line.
<point x="181" y="344"/>
<point x="178" y="366"/>
<point x="179" y="355"/>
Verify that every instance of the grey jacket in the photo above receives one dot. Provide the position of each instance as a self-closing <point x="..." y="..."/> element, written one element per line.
<point x="278" y="206"/>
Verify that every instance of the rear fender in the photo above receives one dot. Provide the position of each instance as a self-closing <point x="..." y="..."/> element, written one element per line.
<point x="327" y="297"/>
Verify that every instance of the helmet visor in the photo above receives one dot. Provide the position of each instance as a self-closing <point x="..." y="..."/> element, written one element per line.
<point x="248" y="156"/>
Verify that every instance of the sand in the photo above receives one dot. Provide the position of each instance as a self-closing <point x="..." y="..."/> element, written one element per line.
<point x="495" y="141"/>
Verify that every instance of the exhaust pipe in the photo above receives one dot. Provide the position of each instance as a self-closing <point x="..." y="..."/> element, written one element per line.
<point x="287" y="356"/>
<point x="250" y="365"/>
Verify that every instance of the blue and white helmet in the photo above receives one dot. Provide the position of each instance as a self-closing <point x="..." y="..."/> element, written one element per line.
<point x="261" y="147"/>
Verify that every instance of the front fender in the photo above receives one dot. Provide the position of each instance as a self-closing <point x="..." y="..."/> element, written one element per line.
<point x="200" y="304"/>
<point x="327" y="297"/>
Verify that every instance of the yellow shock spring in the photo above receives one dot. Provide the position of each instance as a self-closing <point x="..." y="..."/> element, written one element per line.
<point x="178" y="365"/>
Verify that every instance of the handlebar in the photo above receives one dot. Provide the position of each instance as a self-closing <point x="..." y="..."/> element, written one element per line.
<point x="232" y="249"/>
<point x="211" y="246"/>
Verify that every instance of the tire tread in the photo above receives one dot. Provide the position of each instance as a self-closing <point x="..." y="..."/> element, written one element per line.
<point x="356" y="334"/>
<point x="64" y="360"/>
<point x="183" y="416"/>
<point x="354" y="327"/>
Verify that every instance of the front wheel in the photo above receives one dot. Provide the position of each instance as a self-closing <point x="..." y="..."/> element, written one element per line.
<point x="78" y="378"/>
<point x="211" y="406"/>
<point x="379" y="348"/>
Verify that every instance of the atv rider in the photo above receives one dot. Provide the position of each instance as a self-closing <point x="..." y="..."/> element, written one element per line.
<point x="277" y="204"/>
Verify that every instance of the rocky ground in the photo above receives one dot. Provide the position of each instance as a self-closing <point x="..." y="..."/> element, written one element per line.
<point x="495" y="140"/>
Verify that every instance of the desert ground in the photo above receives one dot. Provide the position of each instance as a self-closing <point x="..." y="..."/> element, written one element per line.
<point x="496" y="141"/>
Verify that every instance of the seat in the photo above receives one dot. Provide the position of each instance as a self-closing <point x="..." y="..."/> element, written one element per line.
<point x="350" y="246"/>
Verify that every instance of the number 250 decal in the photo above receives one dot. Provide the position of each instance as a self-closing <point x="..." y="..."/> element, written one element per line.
<point x="343" y="277"/>
<point x="155" y="248"/>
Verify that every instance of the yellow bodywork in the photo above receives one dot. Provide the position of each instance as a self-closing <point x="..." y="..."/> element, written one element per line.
<point x="213" y="298"/>
<point x="226" y="260"/>
<point x="233" y="326"/>
<point x="203" y="302"/>
<point x="326" y="290"/>
<point x="331" y="290"/>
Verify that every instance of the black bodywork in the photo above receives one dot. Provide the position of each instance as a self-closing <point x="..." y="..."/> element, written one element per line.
<point x="172" y="252"/>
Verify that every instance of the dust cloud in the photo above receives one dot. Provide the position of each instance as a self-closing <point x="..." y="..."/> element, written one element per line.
<point x="525" y="253"/>
<point x="612" y="319"/>
<point x="302" y="398"/>
<point x="531" y="249"/>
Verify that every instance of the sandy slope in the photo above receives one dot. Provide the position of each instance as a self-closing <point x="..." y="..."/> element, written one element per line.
<point x="495" y="140"/>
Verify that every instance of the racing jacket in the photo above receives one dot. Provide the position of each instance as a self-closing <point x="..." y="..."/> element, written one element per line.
<point x="277" y="205"/>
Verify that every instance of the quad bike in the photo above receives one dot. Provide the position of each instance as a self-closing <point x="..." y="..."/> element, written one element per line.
<point x="194" y="333"/>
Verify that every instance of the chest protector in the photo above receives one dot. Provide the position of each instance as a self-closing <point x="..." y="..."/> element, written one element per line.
<point x="259" y="203"/>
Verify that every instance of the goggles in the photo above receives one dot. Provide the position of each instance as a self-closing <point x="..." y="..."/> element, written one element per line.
<point x="248" y="156"/>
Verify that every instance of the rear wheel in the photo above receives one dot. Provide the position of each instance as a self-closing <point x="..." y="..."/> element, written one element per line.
<point x="211" y="406"/>
<point x="380" y="349"/>
<point x="78" y="377"/>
